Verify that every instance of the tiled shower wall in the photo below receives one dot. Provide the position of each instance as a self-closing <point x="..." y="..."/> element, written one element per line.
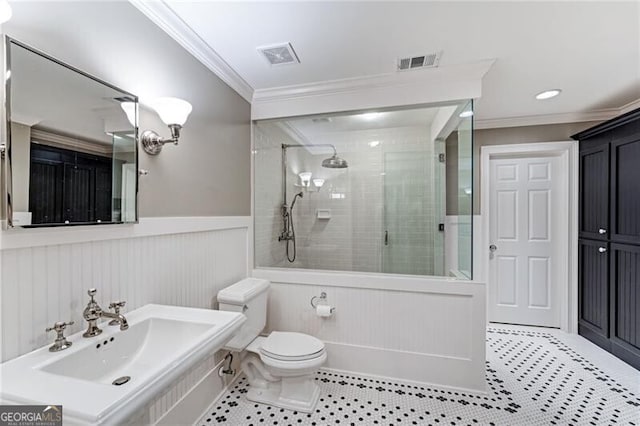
<point x="267" y="156"/>
<point x="353" y="239"/>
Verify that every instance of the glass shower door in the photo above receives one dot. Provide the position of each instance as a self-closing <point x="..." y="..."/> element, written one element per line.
<point x="407" y="237"/>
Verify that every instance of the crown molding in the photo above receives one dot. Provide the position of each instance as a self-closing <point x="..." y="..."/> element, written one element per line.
<point x="542" y="119"/>
<point x="161" y="14"/>
<point x="561" y="118"/>
<point x="437" y="86"/>
<point x="630" y="106"/>
<point x="354" y="84"/>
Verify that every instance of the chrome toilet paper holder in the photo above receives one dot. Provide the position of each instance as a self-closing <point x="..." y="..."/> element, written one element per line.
<point x="314" y="299"/>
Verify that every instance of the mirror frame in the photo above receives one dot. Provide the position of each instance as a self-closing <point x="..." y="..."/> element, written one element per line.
<point x="5" y="150"/>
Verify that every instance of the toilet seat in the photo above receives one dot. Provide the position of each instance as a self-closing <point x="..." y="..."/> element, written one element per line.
<point x="291" y="347"/>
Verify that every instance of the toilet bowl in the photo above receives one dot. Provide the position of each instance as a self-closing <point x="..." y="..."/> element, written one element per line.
<point x="279" y="367"/>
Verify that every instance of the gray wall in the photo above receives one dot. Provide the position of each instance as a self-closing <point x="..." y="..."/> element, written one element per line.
<point x="208" y="174"/>
<point x="501" y="136"/>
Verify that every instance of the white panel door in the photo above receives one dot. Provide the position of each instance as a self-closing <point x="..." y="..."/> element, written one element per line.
<point x="526" y="260"/>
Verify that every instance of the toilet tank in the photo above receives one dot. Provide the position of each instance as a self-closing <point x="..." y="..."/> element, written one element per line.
<point x="248" y="296"/>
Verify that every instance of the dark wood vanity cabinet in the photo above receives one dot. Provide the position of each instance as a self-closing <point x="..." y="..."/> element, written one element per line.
<point x="609" y="231"/>
<point x="625" y="302"/>
<point x="594" y="191"/>
<point x="593" y="294"/>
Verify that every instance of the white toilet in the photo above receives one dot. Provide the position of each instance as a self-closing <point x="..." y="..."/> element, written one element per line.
<point x="279" y="367"/>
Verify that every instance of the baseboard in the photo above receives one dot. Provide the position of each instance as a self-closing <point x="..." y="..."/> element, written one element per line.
<point x="425" y="369"/>
<point x="193" y="405"/>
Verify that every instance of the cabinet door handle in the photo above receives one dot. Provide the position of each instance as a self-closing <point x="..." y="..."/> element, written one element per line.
<point x="602" y="249"/>
<point x="602" y="231"/>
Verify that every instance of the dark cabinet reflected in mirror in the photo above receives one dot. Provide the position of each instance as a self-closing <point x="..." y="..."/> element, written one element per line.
<point x="71" y="152"/>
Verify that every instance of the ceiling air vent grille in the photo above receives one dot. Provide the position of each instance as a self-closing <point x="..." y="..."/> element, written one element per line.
<point x="430" y="60"/>
<point x="279" y="54"/>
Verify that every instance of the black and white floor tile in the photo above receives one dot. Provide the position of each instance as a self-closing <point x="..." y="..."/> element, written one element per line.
<point x="533" y="379"/>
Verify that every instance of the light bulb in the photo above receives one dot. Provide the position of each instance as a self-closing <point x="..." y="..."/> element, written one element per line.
<point x="548" y="94"/>
<point x="305" y="178"/>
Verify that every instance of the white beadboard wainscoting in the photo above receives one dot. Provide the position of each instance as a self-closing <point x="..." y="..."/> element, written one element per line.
<point x="46" y="273"/>
<point x="420" y="329"/>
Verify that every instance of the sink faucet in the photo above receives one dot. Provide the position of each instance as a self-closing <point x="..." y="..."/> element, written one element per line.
<point x="93" y="312"/>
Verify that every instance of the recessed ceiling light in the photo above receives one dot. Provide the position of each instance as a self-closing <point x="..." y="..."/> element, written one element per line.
<point x="548" y="94"/>
<point x="373" y="144"/>
<point x="465" y="114"/>
<point x="370" y="116"/>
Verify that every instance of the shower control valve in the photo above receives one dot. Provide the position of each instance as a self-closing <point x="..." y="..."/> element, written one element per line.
<point x="285" y="236"/>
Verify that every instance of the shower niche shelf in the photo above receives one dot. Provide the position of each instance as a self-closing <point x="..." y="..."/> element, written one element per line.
<point x="323" y="214"/>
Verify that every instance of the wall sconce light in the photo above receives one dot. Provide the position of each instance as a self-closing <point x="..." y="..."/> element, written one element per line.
<point x="305" y="178"/>
<point x="5" y="11"/>
<point x="318" y="183"/>
<point x="174" y="113"/>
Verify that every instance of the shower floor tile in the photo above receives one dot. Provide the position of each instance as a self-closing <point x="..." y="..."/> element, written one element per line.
<point x="533" y="378"/>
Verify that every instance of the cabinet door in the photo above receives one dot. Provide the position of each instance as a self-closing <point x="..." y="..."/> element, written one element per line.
<point x="593" y="291"/>
<point x="625" y="303"/>
<point x="594" y="192"/>
<point x="625" y="190"/>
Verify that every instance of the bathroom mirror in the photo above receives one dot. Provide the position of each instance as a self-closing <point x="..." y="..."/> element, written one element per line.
<point x="71" y="152"/>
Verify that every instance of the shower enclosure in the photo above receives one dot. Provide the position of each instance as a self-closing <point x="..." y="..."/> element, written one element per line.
<point x="385" y="191"/>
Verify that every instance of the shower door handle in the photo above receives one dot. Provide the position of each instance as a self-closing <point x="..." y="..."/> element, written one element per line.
<point x="386" y="238"/>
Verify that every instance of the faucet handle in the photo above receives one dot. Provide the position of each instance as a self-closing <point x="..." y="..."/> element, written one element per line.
<point x="117" y="305"/>
<point x="59" y="326"/>
<point x="116" y="309"/>
<point x="61" y="342"/>
<point x="92" y="292"/>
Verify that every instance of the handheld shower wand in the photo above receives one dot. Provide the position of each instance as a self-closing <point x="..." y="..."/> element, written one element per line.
<point x="288" y="232"/>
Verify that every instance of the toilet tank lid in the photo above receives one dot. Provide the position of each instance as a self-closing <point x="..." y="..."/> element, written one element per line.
<point x="243" y="291"/>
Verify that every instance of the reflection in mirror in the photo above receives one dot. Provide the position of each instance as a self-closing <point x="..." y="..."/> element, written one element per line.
<point x="72" y="144"/>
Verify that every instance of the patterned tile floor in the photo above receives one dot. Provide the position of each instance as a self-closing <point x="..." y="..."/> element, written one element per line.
<point x="534" y="377"/>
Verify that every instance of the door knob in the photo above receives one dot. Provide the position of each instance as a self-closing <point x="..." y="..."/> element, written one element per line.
<point x="602" y="231"/>
<point x="602" y="249"/>
<point x="493" y="248"/>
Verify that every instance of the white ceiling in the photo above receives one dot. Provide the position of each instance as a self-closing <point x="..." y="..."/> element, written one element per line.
<point x="590" y="50"/>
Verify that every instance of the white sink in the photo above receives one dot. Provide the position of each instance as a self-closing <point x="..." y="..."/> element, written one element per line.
<point x="162" y="342"/>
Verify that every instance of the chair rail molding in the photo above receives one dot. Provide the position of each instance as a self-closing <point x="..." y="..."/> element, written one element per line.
<point x="149" y="226"/>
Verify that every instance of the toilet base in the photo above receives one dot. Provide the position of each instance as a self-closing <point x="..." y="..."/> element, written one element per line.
<point x="293" y="393"/>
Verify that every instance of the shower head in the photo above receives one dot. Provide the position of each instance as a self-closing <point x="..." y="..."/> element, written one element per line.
<point x="335" y="162"/>
<point x="295" y="197"/>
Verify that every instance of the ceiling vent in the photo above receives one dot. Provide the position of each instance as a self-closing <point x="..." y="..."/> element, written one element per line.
<point x="280" y="54"/>
<point x="430" y="60"/>
<point x="319" y="120"/>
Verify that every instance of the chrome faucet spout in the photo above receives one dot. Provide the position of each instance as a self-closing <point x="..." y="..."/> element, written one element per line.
<point x="93" y="312"/>
<point x="119" y="318"/>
